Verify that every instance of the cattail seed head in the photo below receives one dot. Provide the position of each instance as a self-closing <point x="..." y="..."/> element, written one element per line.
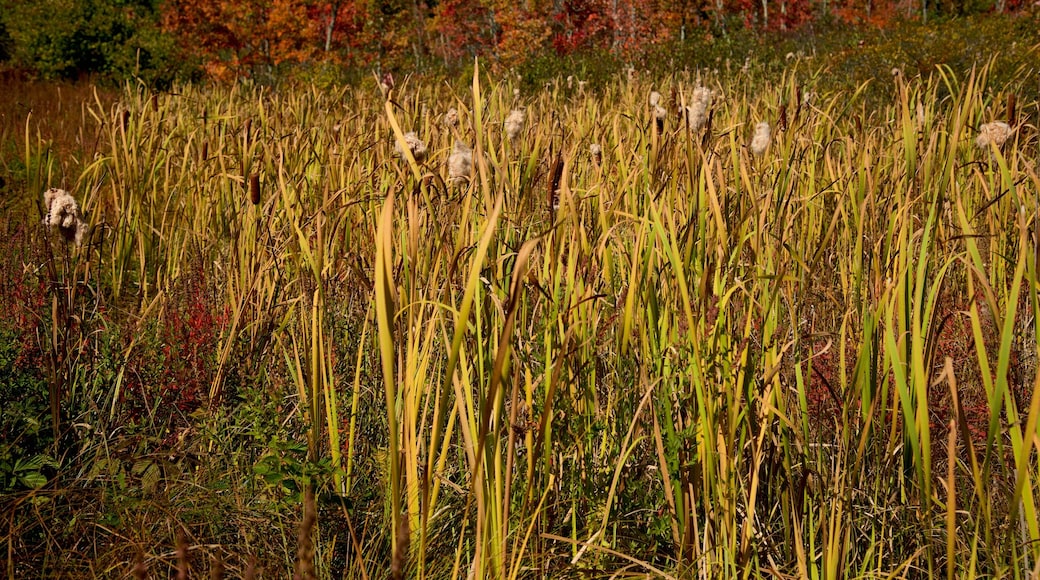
<point x="1011" y="112"/>
<point x="655" y="98"/>
<point x="399" y="557"/>
<point x="451" y="118"/>
<point x="555" y="177"/>
<point x="63" y="215"/>
<point x="514" y="124"/>
<point x="415" y="146"/>
<point x="995" y="133"/>
<point x="254" y="188"/>
<point x="597" y="153"/>
<point x="760" y="142"/>
<point x="697" y="111"/>
<point x="460" y="163"/>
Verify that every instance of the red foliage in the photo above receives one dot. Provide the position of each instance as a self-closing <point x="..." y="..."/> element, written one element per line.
<point x="23" y="294"/>
<point x="173" y="369"/>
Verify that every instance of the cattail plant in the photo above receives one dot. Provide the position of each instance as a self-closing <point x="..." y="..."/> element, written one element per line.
<point x="697" y="111"/>
<point x="760" y="142"/>
<point x="460" y="163"/>
<point x="596" y="151"/>
<point x="415" y="146"/>
<point x="254" y="188"/>
<point x="659" y="114"/>
<point x="399" y="556"/>
<point x="386" y="84"/>
<point x="655" y="98"/>
<point x="555" y="176"/>
<point x="63" y="215"/>
<point x="304" y="568"/>
<point x="994" y="133"/>
<point x="451" y="118"/>
<point x="514" y="124"/>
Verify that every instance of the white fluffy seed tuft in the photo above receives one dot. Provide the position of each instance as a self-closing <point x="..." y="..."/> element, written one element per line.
<point x="760" y="142"/>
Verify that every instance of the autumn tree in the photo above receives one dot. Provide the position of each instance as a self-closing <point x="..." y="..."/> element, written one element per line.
<point x="236" y="37"/>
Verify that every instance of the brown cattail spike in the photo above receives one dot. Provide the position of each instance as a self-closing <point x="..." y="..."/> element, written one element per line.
<point x="216" y="568"/>
<point x="305" y="546"/>
<point x="250" y="573"/>
<point x="1011" y="112"/>
<point x="254" y="188"/>
<point x="797" y="102"/>
<point x="399" y="561"/>
<point x="205" y="151"/>
<point x="246" y="129"/>
<point x="140" y="569"/>
<point x="781" y="122"/>
<point x="182" y="556"/>
<point x="555" y="175"/>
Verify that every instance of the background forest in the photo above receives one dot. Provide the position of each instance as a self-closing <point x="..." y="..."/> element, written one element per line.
<point x="160" y="41"/>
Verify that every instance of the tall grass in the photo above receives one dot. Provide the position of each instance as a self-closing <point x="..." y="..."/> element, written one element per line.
<point x="687" y="360"/>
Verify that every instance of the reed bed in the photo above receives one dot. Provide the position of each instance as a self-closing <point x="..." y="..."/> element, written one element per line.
<point x="619" y="344"/>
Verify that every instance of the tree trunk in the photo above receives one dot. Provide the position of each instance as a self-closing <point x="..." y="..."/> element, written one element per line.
<point x="331" y="24"/>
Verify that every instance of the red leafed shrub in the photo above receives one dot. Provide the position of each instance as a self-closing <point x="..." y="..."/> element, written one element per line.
<point x="23" y="292"/>
<point x="174" y="366"/>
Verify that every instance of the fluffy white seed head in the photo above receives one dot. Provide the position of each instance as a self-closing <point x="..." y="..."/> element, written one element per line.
<point x="660" y="113"/>
<point x="760" y="142"/>
<point x="995" y="133"/>
<point x="655" y="98"/>
<point x="514" y="124"/>
<point x="597" y="153"/>
<point x="460" y="163"/>
<point x="697" y="111"/>
<point x="63" y="215"/>
<point x="451" y="118"/>
<point x="414" y="144"/>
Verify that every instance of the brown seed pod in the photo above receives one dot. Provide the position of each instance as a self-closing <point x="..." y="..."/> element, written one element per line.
<point x="797" y="102"/>
<point x="555" y="175"/>
<point x="254" y="188"/>
<point x="1011" y="112"/>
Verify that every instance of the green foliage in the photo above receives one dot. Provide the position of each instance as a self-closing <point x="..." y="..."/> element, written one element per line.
<point x="71" y="38"/>
<point x="25" y="431"/>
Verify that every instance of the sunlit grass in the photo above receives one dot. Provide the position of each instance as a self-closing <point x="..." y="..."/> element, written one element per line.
<point x="683" y="355"/>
